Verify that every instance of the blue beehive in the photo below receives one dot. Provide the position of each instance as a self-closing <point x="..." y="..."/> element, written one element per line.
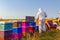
<point x="33" y="24"/>
<point x="15" y="30"/>
<point x="8" y="26"/>
<point x="20" y="30"/>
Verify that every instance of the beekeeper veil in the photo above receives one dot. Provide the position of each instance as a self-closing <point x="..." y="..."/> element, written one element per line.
<point x="40" y="10"/>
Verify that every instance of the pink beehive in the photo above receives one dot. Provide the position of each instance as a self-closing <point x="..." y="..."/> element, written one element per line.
<point x="15" y="35"/>
<point x="23" y="29"/>
<point x="23" y="23"/>
<point x="20" y="35"/>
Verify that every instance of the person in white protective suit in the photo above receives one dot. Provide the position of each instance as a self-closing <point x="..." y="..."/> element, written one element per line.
<point x="40" y="17"/>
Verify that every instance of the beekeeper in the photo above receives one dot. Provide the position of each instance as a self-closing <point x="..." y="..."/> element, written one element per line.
<point x="40" y="17"/>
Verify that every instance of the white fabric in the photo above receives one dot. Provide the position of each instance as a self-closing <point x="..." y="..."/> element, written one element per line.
<point x="41" y="14"/>
<point x="42" y="26"/>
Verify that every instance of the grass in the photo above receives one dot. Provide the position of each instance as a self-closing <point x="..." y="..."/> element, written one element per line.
<point x="49" y="35"/>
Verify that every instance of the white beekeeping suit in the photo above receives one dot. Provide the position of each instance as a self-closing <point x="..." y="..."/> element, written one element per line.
<point x="59" y="15"/>
<point x="41" y="15"/>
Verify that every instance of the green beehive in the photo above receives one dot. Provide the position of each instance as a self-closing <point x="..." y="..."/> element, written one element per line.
<point x="5" y="26"/>
<point x="1" y="26"/>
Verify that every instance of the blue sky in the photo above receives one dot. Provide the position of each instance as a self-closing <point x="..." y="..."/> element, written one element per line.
<point x="22" y="8"/>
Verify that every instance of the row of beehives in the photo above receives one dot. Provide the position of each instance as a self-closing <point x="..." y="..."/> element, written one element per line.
<point x="13" y="30"/>
<point x="10" y="30"/>
<point x="18" y="29"/>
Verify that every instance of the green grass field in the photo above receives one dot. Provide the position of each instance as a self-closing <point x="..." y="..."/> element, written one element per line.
<point x="49" y="35"/>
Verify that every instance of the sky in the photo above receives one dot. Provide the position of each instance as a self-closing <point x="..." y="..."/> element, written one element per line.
<point x="23" y="8"/>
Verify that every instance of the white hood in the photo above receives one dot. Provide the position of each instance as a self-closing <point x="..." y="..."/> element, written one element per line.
<point x="40" y="10"/>
<point x="41" y="14"/>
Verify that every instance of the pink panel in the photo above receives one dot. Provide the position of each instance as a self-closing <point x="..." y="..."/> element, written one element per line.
<point x="23" y="29"/>
<point x="15" y="35"/>
<point x="23" y="23"/>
